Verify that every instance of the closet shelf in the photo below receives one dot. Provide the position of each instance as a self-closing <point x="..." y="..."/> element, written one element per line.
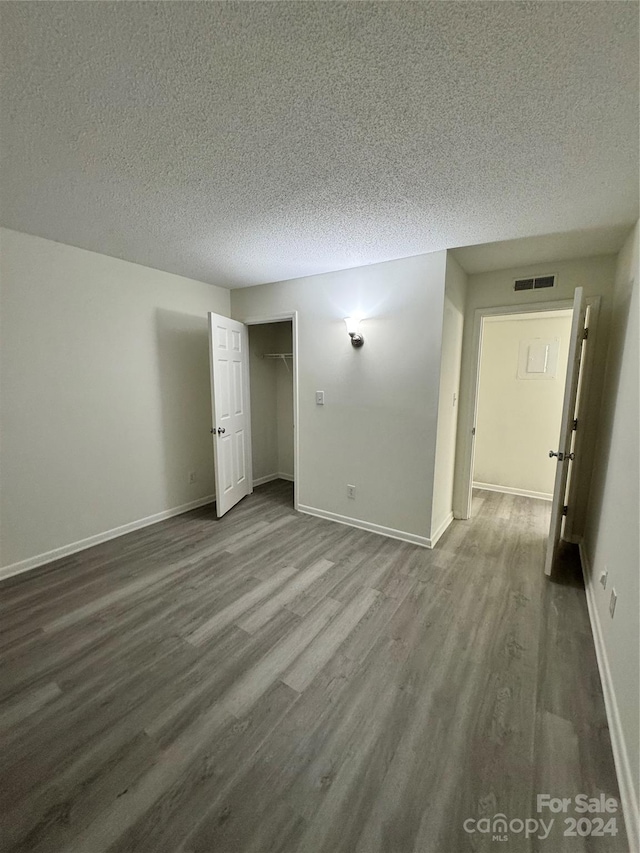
<point x="280" y="355"/>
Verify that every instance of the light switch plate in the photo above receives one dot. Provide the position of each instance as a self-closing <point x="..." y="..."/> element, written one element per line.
<point x="319" y="398"/>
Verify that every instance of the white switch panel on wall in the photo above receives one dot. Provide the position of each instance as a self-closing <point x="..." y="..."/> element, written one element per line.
<point x="538" y="358"/>
<point x="319" y="398"/>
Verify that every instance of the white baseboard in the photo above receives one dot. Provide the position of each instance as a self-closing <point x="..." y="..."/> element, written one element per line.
<point x="260" y="481"/>
<point x="440" y="529"/>
<point x="90" y="541"/>
<point x="620" y="755"/>
<point x="268" y="478"/>
<point x="507" y="490"/>
<point x="423" y="541"/>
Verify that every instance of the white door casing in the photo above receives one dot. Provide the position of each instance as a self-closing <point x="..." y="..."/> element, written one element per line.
<point x="229" y="362"/>
<point x="563" y="453"/>
<point x="290" y="317"/>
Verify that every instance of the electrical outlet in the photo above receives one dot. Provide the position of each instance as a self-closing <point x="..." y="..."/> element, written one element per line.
<point x="612" y="603"/>
<point x="351" y="492"/>
<point x="319" y="398"/>
<point x="604" y="577"/>
<point x="193" y="477"/>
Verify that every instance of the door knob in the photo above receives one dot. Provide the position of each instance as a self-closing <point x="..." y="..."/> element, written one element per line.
<point x="560" y="455"/>
<point x="221" y="430"/>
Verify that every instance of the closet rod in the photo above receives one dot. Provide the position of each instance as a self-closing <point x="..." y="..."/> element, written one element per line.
<point x="279" y="355"/>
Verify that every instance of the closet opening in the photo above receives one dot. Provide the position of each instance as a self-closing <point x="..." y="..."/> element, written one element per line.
<point x="272" y="404"/>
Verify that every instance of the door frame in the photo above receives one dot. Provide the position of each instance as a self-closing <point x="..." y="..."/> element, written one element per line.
<point x="468" y="448"/>
<point x="283" y="317"/>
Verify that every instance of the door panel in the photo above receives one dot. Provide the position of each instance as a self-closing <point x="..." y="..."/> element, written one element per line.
<point x="222" y="401"/>
<point x="237" y="388"/>
<point x="240" y="456"/>
<point x="231" y="424"/>
<point x="563" y="454"/>
<point x="226" y="450"/>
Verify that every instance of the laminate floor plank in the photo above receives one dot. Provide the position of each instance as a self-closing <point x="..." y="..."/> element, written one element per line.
<point x="307" y="547"/>
<point x="262" y="536"/>
<point x="271" y="681"/>
<point x="328" y="585"/>
<point x="303" y="580"/>
<point x="252" y="684"/>
<point x="326" y="644"/>
<point x="230" y="657"/>
<point x="44" y="751"/>
<point x="311" y="742"/>
<point x="235" y="611"/>
<point x="374" y="623"/>
<point x="168" y="826"/>
<point x="11" y="714"/>
<point x="74" y="575"/>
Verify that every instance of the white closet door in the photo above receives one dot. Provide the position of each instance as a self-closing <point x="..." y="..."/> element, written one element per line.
<point x="229" y="359"/>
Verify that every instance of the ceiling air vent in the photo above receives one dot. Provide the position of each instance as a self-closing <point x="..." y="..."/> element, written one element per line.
<point x="534" y="283"/>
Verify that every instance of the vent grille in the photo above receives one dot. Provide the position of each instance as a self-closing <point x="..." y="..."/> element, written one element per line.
<point x="544" y="281"/>
<point x="535" y="283"/>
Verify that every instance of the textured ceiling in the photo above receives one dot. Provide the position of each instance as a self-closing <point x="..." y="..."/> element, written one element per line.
<point x="239" y="143"/>
<point x="526" y="251"/>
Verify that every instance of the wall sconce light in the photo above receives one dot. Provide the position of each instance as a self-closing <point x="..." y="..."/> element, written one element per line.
<point x="353" y="324"/>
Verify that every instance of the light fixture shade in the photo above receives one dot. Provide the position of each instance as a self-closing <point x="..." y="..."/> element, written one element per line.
<point x="353" y="328"/>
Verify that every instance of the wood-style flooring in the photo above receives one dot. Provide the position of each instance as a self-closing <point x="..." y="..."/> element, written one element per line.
<point x="275" y="682"/>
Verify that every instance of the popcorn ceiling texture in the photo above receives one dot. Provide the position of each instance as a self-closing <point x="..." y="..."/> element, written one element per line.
<point x="240" y="143"/>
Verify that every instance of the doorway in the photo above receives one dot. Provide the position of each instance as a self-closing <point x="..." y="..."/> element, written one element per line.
<point x="271" y="362"/>
<point x="275" y="399"/>
<point x="522" y="375"/>
<point x="538" y="356"/>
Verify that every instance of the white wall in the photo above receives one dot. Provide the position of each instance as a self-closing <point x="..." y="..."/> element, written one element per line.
<point x="105" y="394"/>
<point x="493" y="289"/>
<point x="449" y="395"/>
<point x="271" y="400"/>
<point x="611" y="531"/>
<point x="377" y="429"/>
<point x="518" y="420"/>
